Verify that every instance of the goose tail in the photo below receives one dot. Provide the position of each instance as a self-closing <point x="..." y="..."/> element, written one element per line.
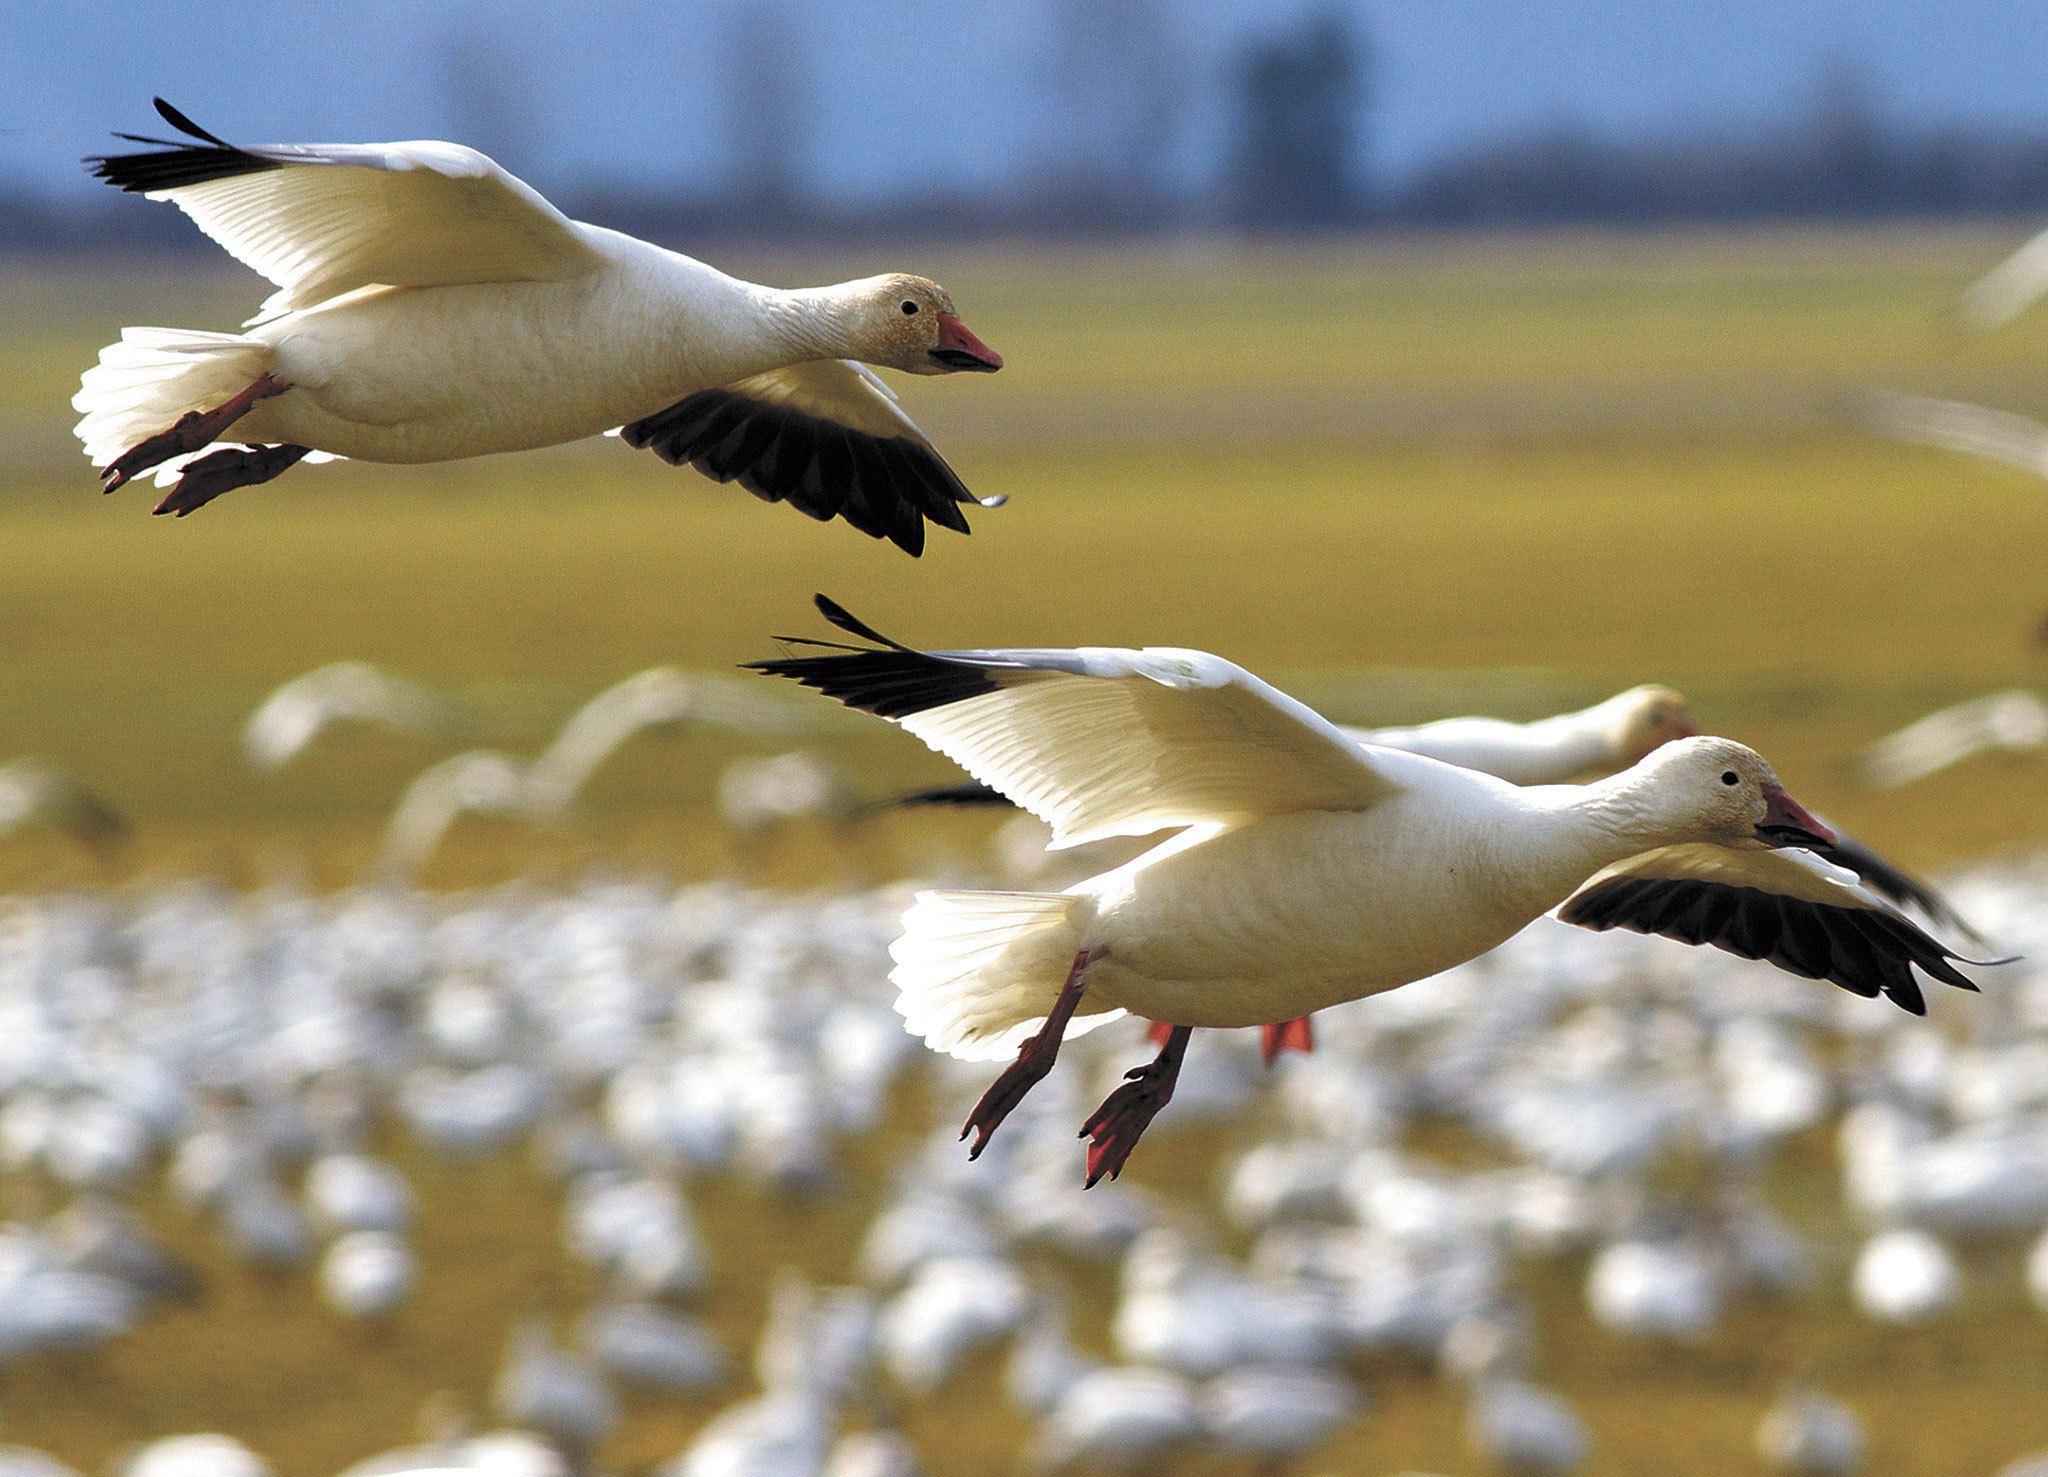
<point x="977" y="971"/>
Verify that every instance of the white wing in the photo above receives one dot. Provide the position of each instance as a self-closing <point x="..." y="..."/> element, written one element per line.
<point x="1102" y="742"/>
<point x="1956" y="425"/>
<point x="323" y="219"/>
<point x="2009" y="288"/>
<point x="1789" y="908"/>
<point x="827" y="437"/>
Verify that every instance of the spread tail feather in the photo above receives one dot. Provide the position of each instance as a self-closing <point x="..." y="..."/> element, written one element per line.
<point x="149" y="377"/>
<point x="977" y="971"/>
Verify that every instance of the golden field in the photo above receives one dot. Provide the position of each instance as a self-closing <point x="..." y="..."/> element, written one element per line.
<point x="1401" y="478"/>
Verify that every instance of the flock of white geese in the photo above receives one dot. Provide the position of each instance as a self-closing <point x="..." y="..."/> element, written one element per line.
<point x="1274" y="869"/>
<point x="1642" y="1115"/>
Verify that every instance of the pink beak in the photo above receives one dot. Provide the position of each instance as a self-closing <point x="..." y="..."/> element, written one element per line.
<point x="1685" y="728"/>
<point x="1788" y="823"/>
<point x="960" y="349"/>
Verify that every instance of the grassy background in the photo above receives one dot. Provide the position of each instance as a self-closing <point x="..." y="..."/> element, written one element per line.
<point x="1402" y="478"/>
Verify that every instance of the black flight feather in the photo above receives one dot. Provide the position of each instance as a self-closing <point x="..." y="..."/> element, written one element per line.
<point x="173" y="164"/>
<point x="1864" y="951"/>
<point x="885" y="486"/>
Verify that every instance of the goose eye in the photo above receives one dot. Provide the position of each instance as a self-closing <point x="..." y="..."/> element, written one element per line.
<point x="1729" y="777"/>
<point x="909" y="307"/>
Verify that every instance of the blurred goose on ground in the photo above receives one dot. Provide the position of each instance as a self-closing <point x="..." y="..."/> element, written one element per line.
<point x="353" y="1192"/>
<point x="291" y="718"/>
<point x="99" y="1234"/>
<point x="456" y="1453"/>
<point x="1658" y="1289"/>
<point x="1906" y="1276"/>
<point x="1525" y="1429"/>
<point x="262" y="1224"/>
<point x="48" y="1307"/>
<point x="2010" y="722"/>
<point x="776" y="1435"/>
<point x="36" y="792"/>
<point x="1119" y="1420"/>
<point x="640" y="1232"/>
<point x="430" y="307"/>
<point x="660" y="699"/>
<point x="26" y="1461"/>
<point x="1250" y="915"/>
<point x="1811" y="1434"/>
<point x="817" y="1339"/>
<point x="875" y="1453"/>
<point x="649" y="1347"/>
<point x="1044" y="1362"/>
<point x="560" y="1395"/>
<point x="2037" y="1273"/>
<point x="199" y="1455"/>
<point x="950" y="1311"/>
<point x="368" y="1275"/>
<point x="756" y="795"/>
<point x="1274" y="1415"/>
<point x="2008" y="289"/>
<point x="1185" y="1309"/>
<point x="1955" y="425"/>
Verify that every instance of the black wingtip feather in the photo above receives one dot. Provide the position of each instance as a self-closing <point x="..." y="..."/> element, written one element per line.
<point x="853" y="625"/>
<point x="887" y="487"/>
<point x="183" y="124"/>
<point x="893" y="682"/>
<point x="1896" y="885"/>
<point x="1866" y="952"/>
<point x="172" y="164"/>
<point x="967" y="793"/>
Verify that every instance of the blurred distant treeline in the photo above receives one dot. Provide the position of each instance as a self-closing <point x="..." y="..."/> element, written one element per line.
<point x="1284" y="127"/>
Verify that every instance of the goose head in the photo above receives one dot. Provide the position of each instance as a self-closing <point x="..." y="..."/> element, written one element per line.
<point x="1718" y="791"/>
<point x="1644" y="719"/>
<point x="909" y="323"/>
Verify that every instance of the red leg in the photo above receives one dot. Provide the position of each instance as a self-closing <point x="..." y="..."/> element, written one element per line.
<point x="1125" y="1113"/>
<point x="194" y="429"/>
<point x="1034" y="1059"/>
<point x="1295" y="1035"/>
<point x="1158" y="1032"/>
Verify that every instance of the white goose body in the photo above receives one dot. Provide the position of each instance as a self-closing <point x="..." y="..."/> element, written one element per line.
<point x="431" y="306"/>
<point x="1287" y="915"/>
<point x="424" y="374"/>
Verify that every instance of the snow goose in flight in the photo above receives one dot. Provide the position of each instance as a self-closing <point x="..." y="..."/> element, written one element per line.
<point x="1609" y="736"/>
<point x="660" y="699"/>
<point x="1956" y="425"/>
<point x="430" y="307"/>
<point x="477" y="782"/>
<point x="292" y="717"/>
<point x="2010" y="722"/>
<point x="32" y="790"/>
<point x="1308" y="870"/>
<point x="541" y="792"/>
<point x="2008" y="289"/>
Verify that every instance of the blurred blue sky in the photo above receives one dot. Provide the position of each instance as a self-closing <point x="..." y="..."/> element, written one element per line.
<point x="915" y="96"/>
